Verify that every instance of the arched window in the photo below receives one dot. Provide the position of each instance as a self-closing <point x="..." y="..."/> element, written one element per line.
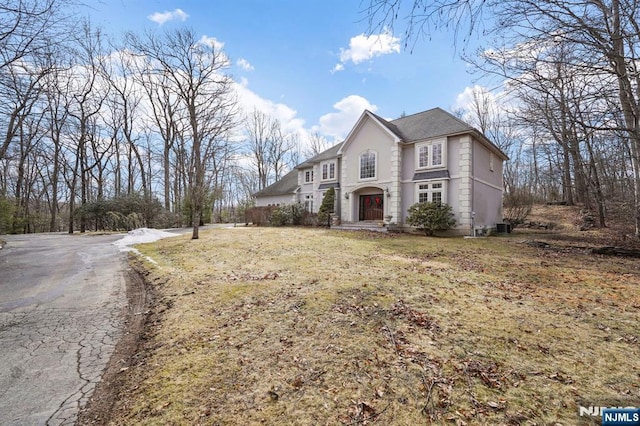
<point x="368" y="165"/>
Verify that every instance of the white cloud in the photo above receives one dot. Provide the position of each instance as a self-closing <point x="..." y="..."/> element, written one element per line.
<point x="162" y="17"/>
<point x="244" y="64"/>
<point x="474" y="97"/>
<point x="249" y="101"/>
<point x="362" y="48"/>
<point x="339" y="124"/>
<point x="211" y="41"/>
<point x="218" y="47"/>
<point x="338" y="67"/>
<point x="335" y="125"/>
<point x="465" y="99"/>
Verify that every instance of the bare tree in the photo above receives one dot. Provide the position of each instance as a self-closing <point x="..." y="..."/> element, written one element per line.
<point x="85" y="104"/>
<point x="56" y="90"/>
<point x="247" y="182"/>
<point x="126" y="116"/>
<point x="164" y="114"/>
<point x="27" y="26"/>
<point x="260" y="129"/>
<point x="317" y="144"/>
<point x="194" y="69"/>
<point x="268" y="147"/>
<point x="603" y="35"/>
<point x="281" y="151"/>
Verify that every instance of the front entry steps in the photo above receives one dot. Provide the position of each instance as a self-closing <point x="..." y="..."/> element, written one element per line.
<point x="374" y="226"/>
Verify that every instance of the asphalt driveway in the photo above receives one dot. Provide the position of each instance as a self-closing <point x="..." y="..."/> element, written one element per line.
<point x="61" y="300"/>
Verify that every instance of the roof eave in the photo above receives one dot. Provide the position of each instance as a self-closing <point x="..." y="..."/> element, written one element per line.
<point x="484" y="140"/>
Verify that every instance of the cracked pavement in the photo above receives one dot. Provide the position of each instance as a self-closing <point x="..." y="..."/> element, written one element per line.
<point x="61" y="303"/>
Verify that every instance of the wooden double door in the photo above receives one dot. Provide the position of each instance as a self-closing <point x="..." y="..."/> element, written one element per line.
<point x="371" y="207"/>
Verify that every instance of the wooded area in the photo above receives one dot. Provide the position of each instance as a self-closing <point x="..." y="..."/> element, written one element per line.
<point x="114" y="133"/>
<point x="144" y="129"/>
<point x="566" y="103"/>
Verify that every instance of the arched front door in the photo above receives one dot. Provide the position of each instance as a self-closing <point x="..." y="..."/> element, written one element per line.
<point x="371" y="207"/>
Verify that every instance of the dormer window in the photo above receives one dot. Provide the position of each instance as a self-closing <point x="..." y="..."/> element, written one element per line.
<point x="368" y="165"/>
<point x="431" y="154"/>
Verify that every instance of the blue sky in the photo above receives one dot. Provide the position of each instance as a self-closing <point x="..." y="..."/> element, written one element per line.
<point x="313" y="64"/>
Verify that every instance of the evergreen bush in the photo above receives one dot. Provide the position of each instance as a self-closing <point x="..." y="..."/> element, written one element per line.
<point x="431" y="217"/>
<point x="327" y="207"/>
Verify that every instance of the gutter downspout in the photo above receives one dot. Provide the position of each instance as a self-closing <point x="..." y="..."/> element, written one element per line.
<point x="473" y="188"/>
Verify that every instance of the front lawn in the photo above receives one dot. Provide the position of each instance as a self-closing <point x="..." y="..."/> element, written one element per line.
<point x="309" y="327"/>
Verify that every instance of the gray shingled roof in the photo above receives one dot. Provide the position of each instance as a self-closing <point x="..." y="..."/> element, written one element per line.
<point x="429" y="124"/>
<point x="329" y="185"/>
<point x="288" y="184"/>
<point x="425" y="125"/>
<point x="435" y="174"/>
<point x="324" y="155"/>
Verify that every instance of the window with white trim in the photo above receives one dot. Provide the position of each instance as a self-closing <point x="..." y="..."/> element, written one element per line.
<point x="491" y="162"/>
<point x="368" y="165"/>
<point x="308" y="176"/>
<point x="329" y="171"/>
<point x="308" y="203"/>
<point x="430" y="154"/>
<point x="430" y="192"/>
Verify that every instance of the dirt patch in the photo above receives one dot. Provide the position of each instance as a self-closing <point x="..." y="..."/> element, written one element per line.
<point x="564" y="229"/>
<point x="139" y="299"/>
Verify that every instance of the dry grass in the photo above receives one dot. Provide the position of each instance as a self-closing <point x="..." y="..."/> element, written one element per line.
<point x="310" y="327"/>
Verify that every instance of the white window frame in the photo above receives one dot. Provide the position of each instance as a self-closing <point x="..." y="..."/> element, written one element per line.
<point x="491" y="161"/>
<point x="429" y="147"/>
<point x="308" y="203"/>
<point x="427" y="187"/>
<point x="375" y="166"/>
<point x="308" y="176"/>
<point x="327" y="167"/>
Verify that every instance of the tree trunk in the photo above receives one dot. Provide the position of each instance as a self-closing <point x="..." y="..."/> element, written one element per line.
<point x="83" y="188"/>
<point x="72" y="193"/>
<point x="627" y="103"/>
<point x="54" y="186"/>
<point x="118" y="171"/>
<point x="167" y="177"/>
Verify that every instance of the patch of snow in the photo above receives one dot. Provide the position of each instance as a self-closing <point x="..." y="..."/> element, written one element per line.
<point x="143" y="235"/>
<point x="140" y="236"/>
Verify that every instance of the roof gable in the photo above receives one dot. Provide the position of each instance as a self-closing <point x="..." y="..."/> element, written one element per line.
<point x="368" y="115"/>
<point x="432" y="124"/>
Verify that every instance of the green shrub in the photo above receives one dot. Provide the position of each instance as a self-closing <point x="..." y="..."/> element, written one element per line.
<point x="122" y="212"/>
<point x="6" y="215"/>
<point x="431" y="217"/>
<point x="278" y="217"/>
<point x="297" y="212"/>
<point x="288" y="214"/>
<point x="327" y="207"/>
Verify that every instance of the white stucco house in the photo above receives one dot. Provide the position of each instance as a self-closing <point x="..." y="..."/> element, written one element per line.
<point x="383" y="167"/>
